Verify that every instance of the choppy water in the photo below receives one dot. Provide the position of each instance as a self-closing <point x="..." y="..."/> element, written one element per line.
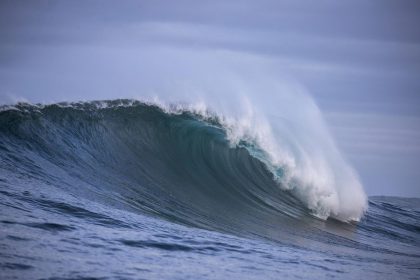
<point x="133" y="192"/>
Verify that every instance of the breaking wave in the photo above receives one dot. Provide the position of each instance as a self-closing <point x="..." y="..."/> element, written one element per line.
<point x="188" y="163"/>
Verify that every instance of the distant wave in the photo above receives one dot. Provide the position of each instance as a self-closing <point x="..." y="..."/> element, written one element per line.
<point x="181" y="162"/>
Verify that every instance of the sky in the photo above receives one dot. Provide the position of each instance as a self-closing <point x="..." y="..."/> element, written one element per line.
<point x="359" y="60"/>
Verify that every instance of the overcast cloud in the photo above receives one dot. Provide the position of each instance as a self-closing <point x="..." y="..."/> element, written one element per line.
<point x="360" y="60"/>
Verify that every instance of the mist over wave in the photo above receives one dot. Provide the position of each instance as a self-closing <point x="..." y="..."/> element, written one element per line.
<point x="255" y="103"/>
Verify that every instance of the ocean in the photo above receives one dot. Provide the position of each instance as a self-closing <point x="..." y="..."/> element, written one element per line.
<point x="125" y="189"/>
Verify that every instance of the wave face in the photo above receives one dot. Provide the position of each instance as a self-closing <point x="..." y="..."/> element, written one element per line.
<point x="185" y="185"/>
<point x="179" y="155"/>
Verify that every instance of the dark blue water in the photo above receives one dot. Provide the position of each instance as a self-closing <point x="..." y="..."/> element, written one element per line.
<point x="131" y="192"/>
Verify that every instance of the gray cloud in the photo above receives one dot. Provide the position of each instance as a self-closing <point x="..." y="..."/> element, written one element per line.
<point x="359" y="59"/>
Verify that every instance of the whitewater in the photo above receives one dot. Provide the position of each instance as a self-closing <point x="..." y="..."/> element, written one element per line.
<point x="205" y="187"/>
